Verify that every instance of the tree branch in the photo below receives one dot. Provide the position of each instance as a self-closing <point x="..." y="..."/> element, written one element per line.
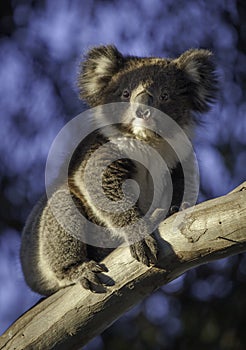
<point x="71" y="317"/>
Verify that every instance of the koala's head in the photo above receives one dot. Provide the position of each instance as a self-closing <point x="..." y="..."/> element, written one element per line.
<point x="177" y="87"/>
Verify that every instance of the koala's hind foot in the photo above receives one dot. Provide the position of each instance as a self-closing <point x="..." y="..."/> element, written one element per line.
<point x="145" y="251"/>
<point x="90" y="278"/>
<point x="88" y="274"/>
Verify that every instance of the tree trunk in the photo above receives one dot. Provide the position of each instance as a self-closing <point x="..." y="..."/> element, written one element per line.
<point x="71" y="317"/>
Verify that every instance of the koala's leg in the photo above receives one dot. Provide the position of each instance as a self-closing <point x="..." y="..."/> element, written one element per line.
<point x="67" y="258"/>
<point x="67" y="246"/>
<point x="52" y="257"/>
<point x="84" y="272"/>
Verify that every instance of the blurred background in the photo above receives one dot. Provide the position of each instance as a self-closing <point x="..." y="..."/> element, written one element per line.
<point x="41" y="45"/>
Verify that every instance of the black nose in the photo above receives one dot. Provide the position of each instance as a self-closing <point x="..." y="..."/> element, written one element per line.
<point x="144" y="99"/>
<point x="143" y="113"/>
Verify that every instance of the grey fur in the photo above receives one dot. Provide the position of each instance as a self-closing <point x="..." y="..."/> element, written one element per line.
<point x="51" y="258"/>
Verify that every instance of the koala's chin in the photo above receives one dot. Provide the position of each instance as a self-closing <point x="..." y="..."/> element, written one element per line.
<point x="144" y="133"/>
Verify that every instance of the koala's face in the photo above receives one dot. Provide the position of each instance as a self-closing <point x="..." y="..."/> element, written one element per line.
<point x="176" y="87"/>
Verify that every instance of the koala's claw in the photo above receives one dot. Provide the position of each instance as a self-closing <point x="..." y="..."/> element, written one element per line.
<point x="145" y="251"/>
<point x="90" y="279"/>
<point x="173" y="209"/>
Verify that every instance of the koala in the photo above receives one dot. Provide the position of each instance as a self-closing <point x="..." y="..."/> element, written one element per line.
<point x="181" y="87"/>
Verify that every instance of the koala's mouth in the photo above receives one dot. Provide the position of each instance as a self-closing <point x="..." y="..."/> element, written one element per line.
<point x="142" y="122"/>
<point x="144" y="128"/>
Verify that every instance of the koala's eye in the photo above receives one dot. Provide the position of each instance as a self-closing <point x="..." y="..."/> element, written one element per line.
<point x="164" y="97"/>
<point x="125" y="94"/>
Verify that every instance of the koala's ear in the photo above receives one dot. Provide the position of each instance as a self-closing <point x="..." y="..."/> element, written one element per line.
<point x="97" y="69"/>
<point x="199" y="68"/>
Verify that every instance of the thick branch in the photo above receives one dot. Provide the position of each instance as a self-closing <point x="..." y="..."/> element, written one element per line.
<point x="71" y="317"/>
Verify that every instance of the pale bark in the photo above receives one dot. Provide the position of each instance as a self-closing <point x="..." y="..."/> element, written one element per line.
<point x="71" y="317"/>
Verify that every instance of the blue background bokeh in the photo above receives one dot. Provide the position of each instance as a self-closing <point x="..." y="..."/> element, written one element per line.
<point x="41" y="45"/>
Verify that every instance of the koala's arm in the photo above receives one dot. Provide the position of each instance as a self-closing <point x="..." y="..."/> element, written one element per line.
<point x="51" y="257"/>
<point x="142" y="244"/>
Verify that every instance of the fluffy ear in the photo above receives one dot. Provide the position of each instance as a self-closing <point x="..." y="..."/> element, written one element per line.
<point x="199" y="68"/>
<point x="99" y="66"/>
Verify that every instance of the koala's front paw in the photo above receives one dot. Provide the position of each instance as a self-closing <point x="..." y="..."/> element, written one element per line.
<point x="89" y="277"/>
<point x="145" y="251"/>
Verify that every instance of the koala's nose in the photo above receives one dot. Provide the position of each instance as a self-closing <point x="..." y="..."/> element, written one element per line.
<point x="143" y="113"/>
<point x="144" y="99"/>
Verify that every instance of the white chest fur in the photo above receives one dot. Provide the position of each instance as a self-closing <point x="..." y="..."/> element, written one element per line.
<point x="153" y="167"/>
